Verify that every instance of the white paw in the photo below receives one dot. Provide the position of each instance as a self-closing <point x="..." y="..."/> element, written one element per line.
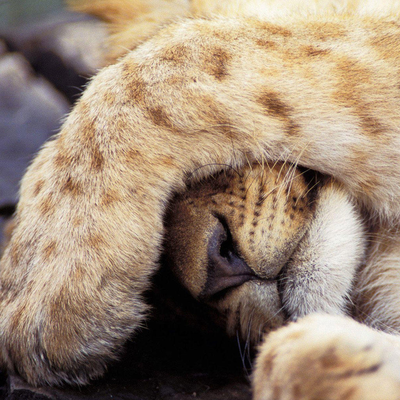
<point x="325" y="357"/>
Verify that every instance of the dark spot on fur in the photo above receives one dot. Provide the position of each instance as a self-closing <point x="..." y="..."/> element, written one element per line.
<point x="277" y="108"/>
<point x="168" y="162"/>
<point x="15" y="253"/>
<point x="8" y="290"/>
<point x="46" y="205"/>
<point x="354" y="77"/>
<point x="160" y="118"/>
<point x="268" y="364"/>
<point x="349" y="394"/>
<point x="88" y="131"/>
<point x="97" y="160"/>
<point x="260" y="201"/>
<point x="16" y="320"/>
<point x="330" y="359"/>
<point x="274" y="105"/>
<point x="109" y="198"/>
<point x="297" y="391"/>
<point x="135" y="87"/>
<point x="133" y="156"/>
<point x="312" y="51"/>
<point x="274" y="29"/>
<point x="38" y="187"/>
<point x="137" y="90"/>
<point x="71" y="187"/>
<point x="370" y="370"/>
<point x="95" y="241"/>
<point x="176" y="54"/>
<point x="77" y="221"/>
<point x="61" y="161"/>
<point x="216" y="63"/>
<point x="49" y="250"/>
<point x="266" y="44"/>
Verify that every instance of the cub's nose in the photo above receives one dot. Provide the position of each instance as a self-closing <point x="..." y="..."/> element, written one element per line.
<point x="226" y="269"/>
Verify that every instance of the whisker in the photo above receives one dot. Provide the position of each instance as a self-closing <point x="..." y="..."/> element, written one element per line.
<point x="242" y="354"/>
<point x="247" y="190"/>
<point x="369" y="321"/>
<point x="248" y="339"/>
<point x="309" y="190"/>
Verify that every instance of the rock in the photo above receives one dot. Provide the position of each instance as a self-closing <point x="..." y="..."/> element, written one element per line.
<point x="66" y="50"/>
<point x="3" y="47"/>
<point x="54" y="60"/>
<point x="30" y="111"/>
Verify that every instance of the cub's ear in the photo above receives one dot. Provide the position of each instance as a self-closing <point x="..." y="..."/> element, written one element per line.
<point x="130" y="22"/>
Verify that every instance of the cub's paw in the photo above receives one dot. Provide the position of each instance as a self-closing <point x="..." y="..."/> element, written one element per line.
<point x="330" y="358"/>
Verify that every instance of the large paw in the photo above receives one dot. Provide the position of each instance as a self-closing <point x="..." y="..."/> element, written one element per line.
<point x="325" y="357"/>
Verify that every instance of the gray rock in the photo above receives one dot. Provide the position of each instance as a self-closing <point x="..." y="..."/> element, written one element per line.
<point x="66" y="50"/>
<point x="31" y="110"/>
<point x="3" y="47"/>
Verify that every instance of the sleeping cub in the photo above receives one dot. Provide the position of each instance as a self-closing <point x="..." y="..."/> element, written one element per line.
<point x="248" y="95"/>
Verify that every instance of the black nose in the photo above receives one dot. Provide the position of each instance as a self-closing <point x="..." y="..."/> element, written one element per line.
<point x="226" y="269"/>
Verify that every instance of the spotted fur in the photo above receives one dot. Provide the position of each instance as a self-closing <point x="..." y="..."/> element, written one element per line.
<point x="190" y="98"/>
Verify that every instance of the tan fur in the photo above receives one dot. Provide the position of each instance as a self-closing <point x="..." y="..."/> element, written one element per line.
<point x="328" y="357"/>
<point x="131" y="22"/>
<point x="284" y="228"/>
<point x="318" y="89"/>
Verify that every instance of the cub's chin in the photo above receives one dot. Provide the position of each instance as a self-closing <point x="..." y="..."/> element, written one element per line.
<point x="265" y="245"/>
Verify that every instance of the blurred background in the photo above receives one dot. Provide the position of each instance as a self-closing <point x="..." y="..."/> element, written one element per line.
<point x="47" y="54"/>
<point x="20" y="12"/>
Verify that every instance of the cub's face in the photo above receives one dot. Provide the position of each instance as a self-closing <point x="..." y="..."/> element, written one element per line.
<point x="266" y="244"/>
